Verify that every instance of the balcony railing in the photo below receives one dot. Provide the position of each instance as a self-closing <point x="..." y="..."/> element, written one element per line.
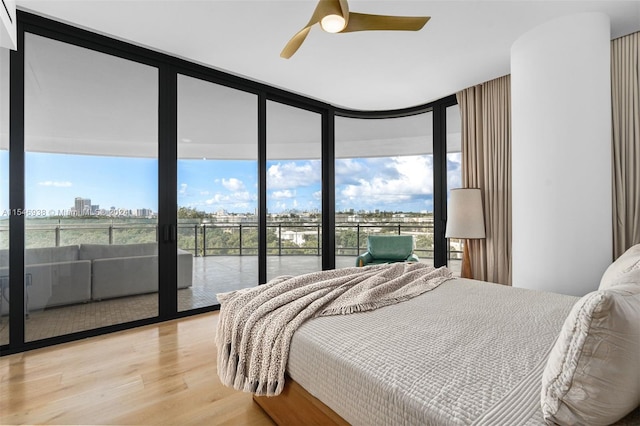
<point x="214" y="239"/>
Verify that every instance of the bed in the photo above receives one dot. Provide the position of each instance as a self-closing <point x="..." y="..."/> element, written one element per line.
<point x="472" y="353"/>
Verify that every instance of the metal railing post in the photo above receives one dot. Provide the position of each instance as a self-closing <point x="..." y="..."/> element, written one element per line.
<point x="111" y="234"/>
<point x="57" y="232"/>
<point x="195" y="240"/>
<point x="280" y="239"/>
<point x="240" y="238"/>
<point x="204" y="240"/>
<point x="318" y="233"/>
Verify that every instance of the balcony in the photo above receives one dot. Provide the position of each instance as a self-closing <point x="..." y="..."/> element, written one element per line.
<point x="225" y="259"/>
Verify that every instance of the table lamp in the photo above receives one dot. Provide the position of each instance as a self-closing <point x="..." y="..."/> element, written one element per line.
<point x="465" y="220"/>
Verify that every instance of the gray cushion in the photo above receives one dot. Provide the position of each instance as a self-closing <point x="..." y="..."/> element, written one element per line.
<point x="105" y="251"/>
<point x="51" y="255"/>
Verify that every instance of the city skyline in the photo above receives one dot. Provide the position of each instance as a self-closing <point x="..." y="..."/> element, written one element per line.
<point x="402" y="183"/>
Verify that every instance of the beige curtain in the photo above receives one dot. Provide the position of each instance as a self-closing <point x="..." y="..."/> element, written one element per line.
<point x="625" y="102"/>
<point x="486" y="164"/>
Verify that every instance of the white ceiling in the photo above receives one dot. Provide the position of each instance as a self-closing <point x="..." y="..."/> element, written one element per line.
<point x="464" y="43"/>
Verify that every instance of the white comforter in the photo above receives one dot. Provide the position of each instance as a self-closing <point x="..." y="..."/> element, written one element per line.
<point x="464" y="353"/>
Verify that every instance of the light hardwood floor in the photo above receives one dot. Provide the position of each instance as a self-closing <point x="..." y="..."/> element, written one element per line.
<point x="158" y="374"/>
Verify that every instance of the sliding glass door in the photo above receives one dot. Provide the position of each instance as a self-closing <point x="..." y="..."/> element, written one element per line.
<point x="91" y="190"/>
<point x="294" y="195"/>
<point x="217" y="191"/>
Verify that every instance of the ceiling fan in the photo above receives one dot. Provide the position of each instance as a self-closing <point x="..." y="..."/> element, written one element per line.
<point x="334" y="17"/>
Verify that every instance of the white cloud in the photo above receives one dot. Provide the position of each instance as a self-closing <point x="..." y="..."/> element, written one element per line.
<point x="348" y="165"/>
<point x="293" y="174"/>
<point x="244" y="196"/>
<point x="242" y="199"/>
<point x="402" y="179"/>
<point x="217" y="199"/>
<point x="183" y="189"/>
<point x="233" y="184"/>
<point x="56" y="184"/>
<point x="283" y="194"/>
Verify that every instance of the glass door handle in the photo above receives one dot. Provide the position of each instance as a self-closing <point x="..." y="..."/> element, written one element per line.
<point x="169" y="233"/>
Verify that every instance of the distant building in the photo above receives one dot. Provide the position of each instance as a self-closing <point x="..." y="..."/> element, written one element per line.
<point x="144" y="212"/>
<point x="82" y="206"/>
<point x="297" y="237"/>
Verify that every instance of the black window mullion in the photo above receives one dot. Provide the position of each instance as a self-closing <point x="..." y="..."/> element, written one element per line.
<point x="16" y="194"/>
<point x="167" y="192"/>
<point x="440" y="179"/>
<point x="328" y="191"/>
<point x="439" y="185"/>
<point x="262" y="188"/>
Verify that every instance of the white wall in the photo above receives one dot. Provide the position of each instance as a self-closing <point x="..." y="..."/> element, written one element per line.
<point x="561" y="155"/>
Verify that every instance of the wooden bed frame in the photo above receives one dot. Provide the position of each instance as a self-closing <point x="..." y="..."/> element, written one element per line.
<point x="296" y="406"/>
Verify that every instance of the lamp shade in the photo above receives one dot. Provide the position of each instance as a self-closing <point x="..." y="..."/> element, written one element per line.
<point x="464" y="214"/>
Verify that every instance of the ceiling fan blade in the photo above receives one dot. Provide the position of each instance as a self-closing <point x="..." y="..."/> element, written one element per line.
<point x="366" y="22"/>
<point x="323" y="8"/>
<point x="344" y="6"/>
<point x="294" y="44"/>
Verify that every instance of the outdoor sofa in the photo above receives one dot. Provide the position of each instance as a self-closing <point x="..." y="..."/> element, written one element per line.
<point x="57" y="276"/>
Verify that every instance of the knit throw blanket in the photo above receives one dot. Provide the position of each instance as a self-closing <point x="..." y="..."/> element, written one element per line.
<point x="255" y="325"/>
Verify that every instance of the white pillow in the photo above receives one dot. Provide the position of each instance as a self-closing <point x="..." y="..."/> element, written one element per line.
<point x="628" y="261"/>
<point x="592" y="376"/>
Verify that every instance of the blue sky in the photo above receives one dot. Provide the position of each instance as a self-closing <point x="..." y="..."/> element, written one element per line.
<point x="393" y="184"/>
<point x="53" y="181"/>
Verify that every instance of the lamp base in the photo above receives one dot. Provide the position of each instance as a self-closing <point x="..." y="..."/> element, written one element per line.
<point x="466" y="261"/>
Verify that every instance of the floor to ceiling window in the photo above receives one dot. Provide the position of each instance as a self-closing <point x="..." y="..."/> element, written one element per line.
<point x="4" y="196"/>
<point x="454" y="176"/>
<point x="232" y="177"/>
<point x="217" y="191"/>
<point x="384" y="183"/>
<point x="91" y="190"/>
<point x="294" y="196"/>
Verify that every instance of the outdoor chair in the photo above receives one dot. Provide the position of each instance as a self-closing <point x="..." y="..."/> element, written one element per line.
<point x="387" y="249"/>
